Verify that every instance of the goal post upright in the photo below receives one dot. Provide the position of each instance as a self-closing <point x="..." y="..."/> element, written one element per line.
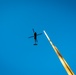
<point x="62" y="60"/>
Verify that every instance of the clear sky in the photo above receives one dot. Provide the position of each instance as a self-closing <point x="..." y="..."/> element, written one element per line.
<point x="18" y="55"/>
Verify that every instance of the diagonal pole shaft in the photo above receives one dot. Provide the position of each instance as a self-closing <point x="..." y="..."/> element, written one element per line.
<point x="64" y="63"/>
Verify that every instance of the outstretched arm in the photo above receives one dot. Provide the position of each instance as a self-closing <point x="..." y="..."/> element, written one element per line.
<point x="31" y="37"/>
<point x="39" y="34"/>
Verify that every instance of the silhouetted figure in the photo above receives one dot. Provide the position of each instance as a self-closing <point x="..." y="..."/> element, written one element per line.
<point x="35" y="36"/>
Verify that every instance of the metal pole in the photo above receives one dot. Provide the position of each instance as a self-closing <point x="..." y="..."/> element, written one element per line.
<point x="64" y="63"/>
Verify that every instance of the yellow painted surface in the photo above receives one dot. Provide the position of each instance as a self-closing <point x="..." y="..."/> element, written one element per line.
<point x="62" y="60"/>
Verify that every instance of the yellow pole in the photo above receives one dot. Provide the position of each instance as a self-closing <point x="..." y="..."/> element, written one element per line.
<point x="64" y="63"/>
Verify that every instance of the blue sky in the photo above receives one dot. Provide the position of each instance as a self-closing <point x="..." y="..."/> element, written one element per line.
<point x="18" y="55"/>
